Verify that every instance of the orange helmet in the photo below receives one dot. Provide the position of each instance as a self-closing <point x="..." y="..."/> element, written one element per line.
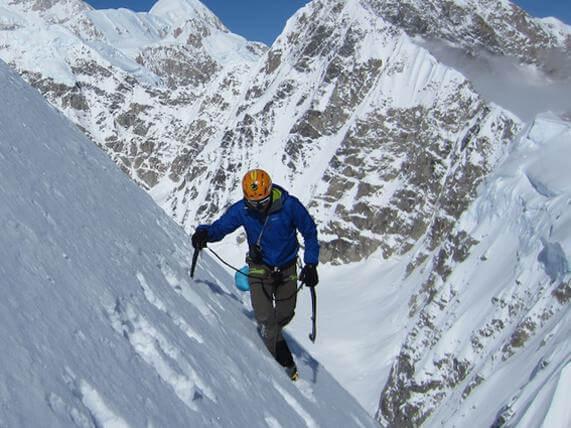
<point x="256" y="185"/>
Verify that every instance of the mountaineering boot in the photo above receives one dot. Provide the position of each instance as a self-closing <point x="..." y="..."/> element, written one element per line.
<point x="292" y="372"/>
<point x="283" y="354"/>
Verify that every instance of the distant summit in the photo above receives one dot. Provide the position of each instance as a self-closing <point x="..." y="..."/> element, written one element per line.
<point x="178" y="12"/>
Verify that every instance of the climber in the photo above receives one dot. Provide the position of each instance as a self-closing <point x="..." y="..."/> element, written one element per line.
<point x="271" y="218"/>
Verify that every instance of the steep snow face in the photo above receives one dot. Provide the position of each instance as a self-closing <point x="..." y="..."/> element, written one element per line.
<point x="493" y="342"/>
<point x="100" y="323"/>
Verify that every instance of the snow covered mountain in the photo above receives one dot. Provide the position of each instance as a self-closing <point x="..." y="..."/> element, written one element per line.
<point x="143" y="86"/>
<point x="101" y="324"/>
<point x="397" y="122"/>
<point x="496" y="328"/>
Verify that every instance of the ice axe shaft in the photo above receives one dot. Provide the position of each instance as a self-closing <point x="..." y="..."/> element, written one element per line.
<point x="194" y="260"/>
<point x="313" y="333"/>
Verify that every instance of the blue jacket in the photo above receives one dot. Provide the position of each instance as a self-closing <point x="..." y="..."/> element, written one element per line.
<point x="279" y="238"/>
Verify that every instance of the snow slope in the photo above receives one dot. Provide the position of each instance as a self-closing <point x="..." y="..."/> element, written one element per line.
<point x="100" y="324"/>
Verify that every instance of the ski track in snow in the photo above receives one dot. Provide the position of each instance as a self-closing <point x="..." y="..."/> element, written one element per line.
<point x="309" y="421"/>
<point x="172" y="367"/>
<point x="176" y="319"/>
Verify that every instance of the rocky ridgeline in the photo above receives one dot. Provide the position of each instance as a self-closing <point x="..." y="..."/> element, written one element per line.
<point x="496" y="26"/>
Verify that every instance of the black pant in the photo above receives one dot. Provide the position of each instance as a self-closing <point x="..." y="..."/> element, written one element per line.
<point x="274" y="298"/>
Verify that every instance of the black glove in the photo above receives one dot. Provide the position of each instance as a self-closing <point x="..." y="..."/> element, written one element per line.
<point x="200" y="238"/>
<point x="309" y="275"/>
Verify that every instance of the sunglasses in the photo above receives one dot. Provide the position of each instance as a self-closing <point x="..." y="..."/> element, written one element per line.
<point x="258" y="205"/>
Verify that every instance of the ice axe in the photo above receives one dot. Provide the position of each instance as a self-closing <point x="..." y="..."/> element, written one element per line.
<point x="313" y="333"/>
<point x="194" y="260"/>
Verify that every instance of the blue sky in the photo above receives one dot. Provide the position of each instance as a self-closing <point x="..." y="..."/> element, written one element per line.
<point x="263" y="20"/>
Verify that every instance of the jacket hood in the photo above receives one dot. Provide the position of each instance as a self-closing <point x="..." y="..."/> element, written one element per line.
<point x="279" y="195"/>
